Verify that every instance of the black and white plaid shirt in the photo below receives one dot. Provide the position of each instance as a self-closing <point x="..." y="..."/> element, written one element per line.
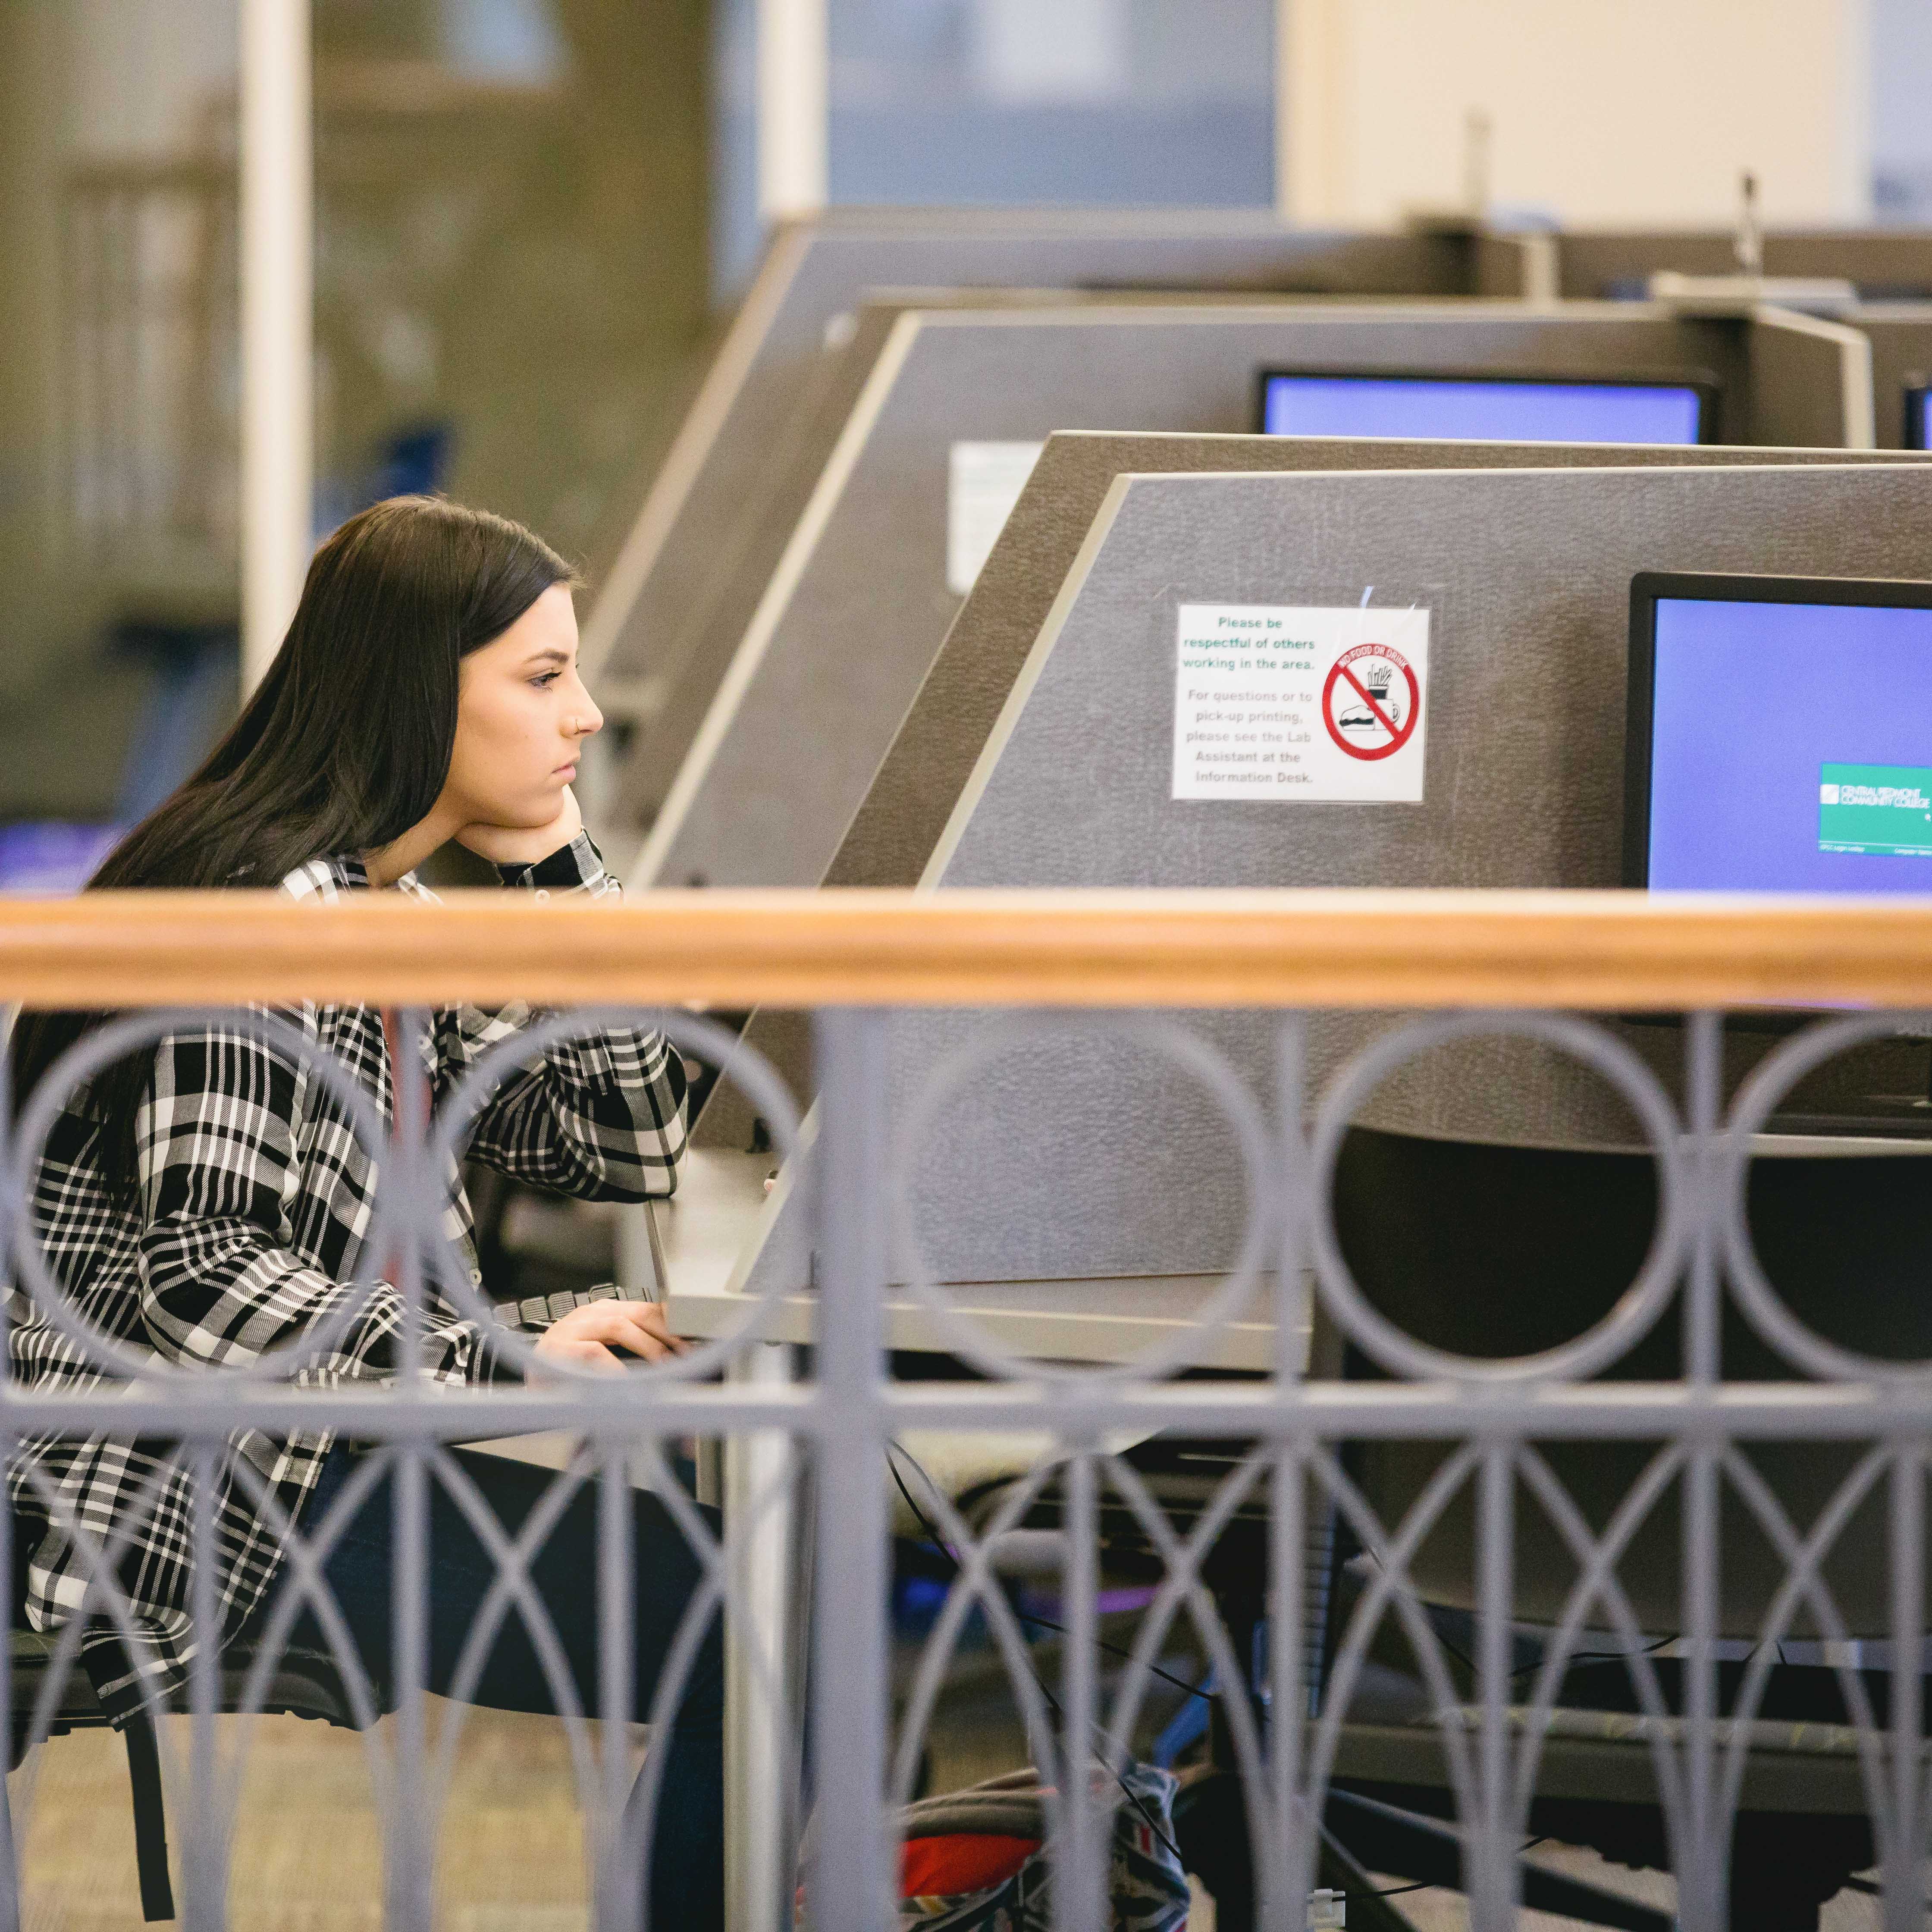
<point x="255" y="1201"/>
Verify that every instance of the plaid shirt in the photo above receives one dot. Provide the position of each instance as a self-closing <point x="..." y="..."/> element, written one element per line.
<point x="255" y="1201"/>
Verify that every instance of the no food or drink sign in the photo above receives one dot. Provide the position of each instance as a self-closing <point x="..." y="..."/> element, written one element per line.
<point x="1289" y="702"/>
<point x="1371" y="701"/>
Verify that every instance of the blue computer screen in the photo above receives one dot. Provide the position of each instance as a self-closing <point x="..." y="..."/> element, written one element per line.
<point x="1791" y="748"/>
<point x="1472" y="408"/>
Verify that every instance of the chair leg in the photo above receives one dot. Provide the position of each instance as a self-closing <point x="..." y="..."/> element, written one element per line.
<point x="151" y="1818"/>
<point x="103" y="1663"/>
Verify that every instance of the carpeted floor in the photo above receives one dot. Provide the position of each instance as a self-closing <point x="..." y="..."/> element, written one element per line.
<point x="307" y="1854"/>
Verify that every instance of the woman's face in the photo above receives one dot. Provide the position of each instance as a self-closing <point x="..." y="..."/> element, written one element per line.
<point x="522" y="714"/>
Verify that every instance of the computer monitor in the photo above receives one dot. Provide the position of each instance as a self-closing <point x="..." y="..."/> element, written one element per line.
<point x="1917" y="417"/>
<point x="1779" y="735"/>
<point x="1483" y="406"/>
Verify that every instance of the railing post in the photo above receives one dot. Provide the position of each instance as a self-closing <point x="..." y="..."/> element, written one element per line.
<point x="1905" y="1860"/>
<point x="1300" y="1537"/>
<point x="1703" y="1888"/>
<point x="412" y="1864"/>
<point x="760" y="1841"/>
<point x="1489" y="1857"/>
<point x="411" y="1886"/>
<point x="1080" y="1868"/>
<point x="1284" y="1870"/>
<point x="850" y="1883"/>
<point x="620" y="1887"/>
<point x="204" y="1860"/>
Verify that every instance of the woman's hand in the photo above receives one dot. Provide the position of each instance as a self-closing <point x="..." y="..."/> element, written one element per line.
<point x="524" y="845"/>
<point x="590" y="1336"/>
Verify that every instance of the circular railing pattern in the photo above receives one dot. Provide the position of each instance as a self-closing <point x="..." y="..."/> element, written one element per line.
<point x="1289" y="1177"/>
<point x="1635" y="1312"/>
<point x="455" y="1119"/>
<point x="1768" y="1083"/>
<point x="412" y="1198"/>
<point x="116" y="1040"/>
<point x="1186" y="1053"/>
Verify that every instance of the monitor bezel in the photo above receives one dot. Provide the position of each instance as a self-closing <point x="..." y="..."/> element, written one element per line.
<point x="1648" y="588"/>
<point x="1702" y="382"/>
<point x="1912" y="431"/>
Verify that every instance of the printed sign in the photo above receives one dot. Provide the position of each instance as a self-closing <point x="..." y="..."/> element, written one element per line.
<point x="983" y="480"/>
<point x="1284" y="701"/>
<point x="1883" y="808"/>
<point x="1371" y="701"/>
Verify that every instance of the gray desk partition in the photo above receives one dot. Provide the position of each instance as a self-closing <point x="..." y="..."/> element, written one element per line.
<point x="858" y="604"/>
<point x="1811" y="382"/>
<point x="1061" y="1159"/>
<point x="718" y="484"/>
<point x="1901" y="334"/>
<point x="688" y="660"/>
<point x="919" y="783"/>
<point x="1883" y="263"/>
<point x="1525" y="265"/>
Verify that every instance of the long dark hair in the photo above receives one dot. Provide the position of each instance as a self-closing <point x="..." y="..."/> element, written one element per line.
<point x="344" y="746"/>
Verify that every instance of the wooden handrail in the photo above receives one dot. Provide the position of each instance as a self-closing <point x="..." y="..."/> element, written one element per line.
<point x="1603" y="950"/>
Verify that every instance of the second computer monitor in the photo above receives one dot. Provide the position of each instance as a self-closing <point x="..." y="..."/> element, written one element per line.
<point x="1780" y="735"/>
<point x="1485" y="407"/>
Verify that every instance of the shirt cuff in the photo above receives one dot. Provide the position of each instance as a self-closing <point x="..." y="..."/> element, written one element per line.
<point x="569" y="869"/>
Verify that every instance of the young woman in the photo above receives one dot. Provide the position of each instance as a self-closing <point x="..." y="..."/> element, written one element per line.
<point x="204" y="1202"/>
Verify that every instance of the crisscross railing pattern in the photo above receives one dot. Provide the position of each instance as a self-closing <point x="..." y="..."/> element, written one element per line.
<point x="1446" y="970"/>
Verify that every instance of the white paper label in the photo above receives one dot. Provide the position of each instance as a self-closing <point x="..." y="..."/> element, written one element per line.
<point x="983" y="482"/>
<point x="1282" y="701"/>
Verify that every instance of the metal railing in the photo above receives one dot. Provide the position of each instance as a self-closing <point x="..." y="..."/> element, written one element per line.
<point x="1477" y="965"/>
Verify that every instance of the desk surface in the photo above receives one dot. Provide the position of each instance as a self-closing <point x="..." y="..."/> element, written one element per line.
<point x="699" y="1235"/>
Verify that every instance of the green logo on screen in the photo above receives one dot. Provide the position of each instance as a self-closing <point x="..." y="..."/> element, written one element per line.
<point x="1884" y="809"/>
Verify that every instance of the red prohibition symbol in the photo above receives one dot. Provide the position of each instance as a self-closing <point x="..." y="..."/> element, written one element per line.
<point x="1359" y="701"/>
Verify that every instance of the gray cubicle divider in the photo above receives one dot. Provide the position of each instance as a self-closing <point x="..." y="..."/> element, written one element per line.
<point x="1811" y="382"/>
<point x="718" y="483"/>
<point x="1901" y="335"/>
<point x="919" y="783"/>
<point x="1063" y="1157"/>
<point x="1881" y="263"/>
<point x="689" y="660"/>
<point x="858" y="604"/>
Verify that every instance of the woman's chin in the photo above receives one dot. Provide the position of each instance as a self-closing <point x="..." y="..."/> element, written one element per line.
<point x="538" y="806"/>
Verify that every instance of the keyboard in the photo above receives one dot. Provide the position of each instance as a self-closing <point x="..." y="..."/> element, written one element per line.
<point x="536" y="1313"/>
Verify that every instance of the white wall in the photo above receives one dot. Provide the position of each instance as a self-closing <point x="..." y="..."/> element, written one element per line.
<point x="1601" y="111"/>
